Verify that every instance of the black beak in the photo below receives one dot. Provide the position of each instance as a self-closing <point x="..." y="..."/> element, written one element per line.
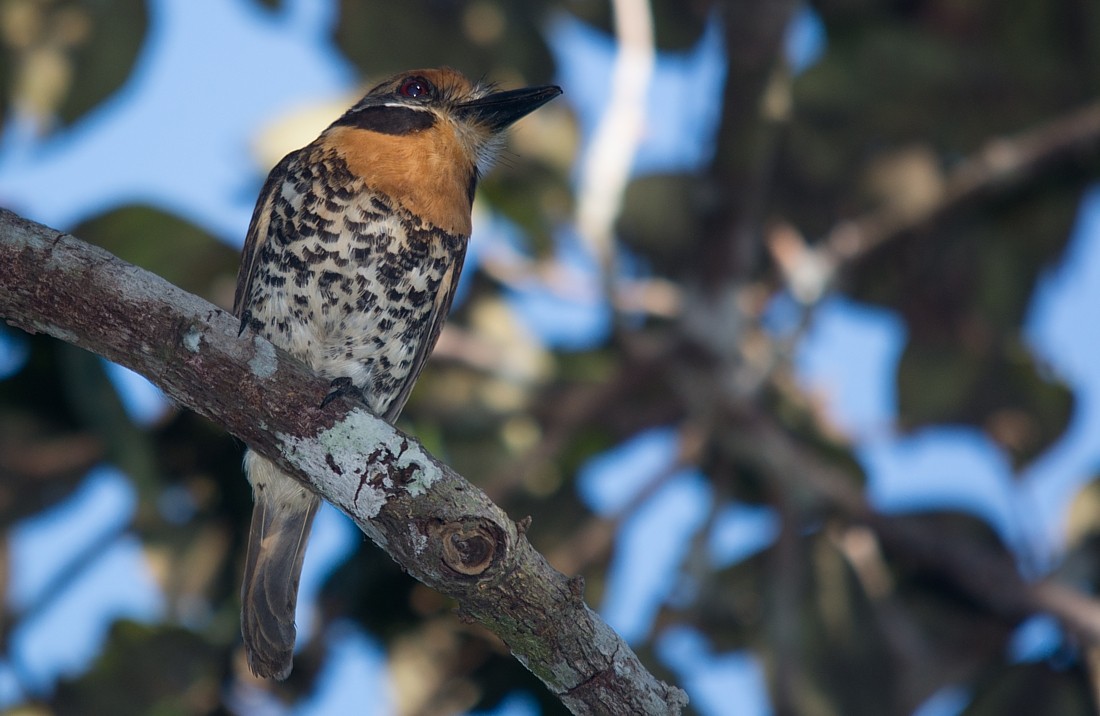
<point x="498" y="110"/>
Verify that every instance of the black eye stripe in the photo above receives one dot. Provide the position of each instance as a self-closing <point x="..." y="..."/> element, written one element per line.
<point x="388" y="120"/>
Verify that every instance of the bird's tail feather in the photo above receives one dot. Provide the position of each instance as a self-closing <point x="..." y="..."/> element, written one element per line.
<point x="281" y="520"/>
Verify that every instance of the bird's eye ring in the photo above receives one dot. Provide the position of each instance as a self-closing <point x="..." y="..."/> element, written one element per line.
<point x="416" y="88"/>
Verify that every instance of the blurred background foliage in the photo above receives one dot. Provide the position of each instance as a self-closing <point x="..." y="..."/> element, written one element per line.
<point x="847" y="614"/>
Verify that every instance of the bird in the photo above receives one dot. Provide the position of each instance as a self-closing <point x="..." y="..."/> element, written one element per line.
<point x="350" y="264"/>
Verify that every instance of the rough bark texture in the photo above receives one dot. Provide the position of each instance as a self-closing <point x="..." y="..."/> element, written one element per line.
<point x="435" y="524"/>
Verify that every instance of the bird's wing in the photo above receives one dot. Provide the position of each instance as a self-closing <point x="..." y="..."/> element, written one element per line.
<point x="259" y="234"/>
<point x="432" y="327"/>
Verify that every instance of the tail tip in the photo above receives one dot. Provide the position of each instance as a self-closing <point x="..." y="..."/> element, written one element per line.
<point x="269" y="666"/>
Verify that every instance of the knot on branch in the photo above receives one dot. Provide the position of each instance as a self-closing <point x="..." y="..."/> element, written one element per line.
<point x="470" y="548"/>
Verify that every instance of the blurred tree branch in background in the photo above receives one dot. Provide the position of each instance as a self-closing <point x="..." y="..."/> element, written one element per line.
<point x="439" y="527"/>
<point x="1003" y="164"/>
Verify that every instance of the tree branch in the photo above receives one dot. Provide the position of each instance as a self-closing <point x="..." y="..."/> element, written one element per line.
<point x="988" y="576"/>
<point x="1002" y="162"/>
<point x="435" y="524"/>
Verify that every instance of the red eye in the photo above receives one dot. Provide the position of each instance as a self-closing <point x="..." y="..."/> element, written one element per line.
<point x="416" y="87"/>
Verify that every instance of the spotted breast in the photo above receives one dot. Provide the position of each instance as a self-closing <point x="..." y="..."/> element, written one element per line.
<point x="354" y="285"/>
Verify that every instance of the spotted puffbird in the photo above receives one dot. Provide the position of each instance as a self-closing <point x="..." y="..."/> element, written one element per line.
<point x="350" y="263"/>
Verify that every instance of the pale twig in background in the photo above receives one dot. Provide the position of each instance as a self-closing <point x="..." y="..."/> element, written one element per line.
<point x="605" y="167"/>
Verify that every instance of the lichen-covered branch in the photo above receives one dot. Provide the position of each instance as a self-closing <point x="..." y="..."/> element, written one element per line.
<point x="439" y="527"/>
